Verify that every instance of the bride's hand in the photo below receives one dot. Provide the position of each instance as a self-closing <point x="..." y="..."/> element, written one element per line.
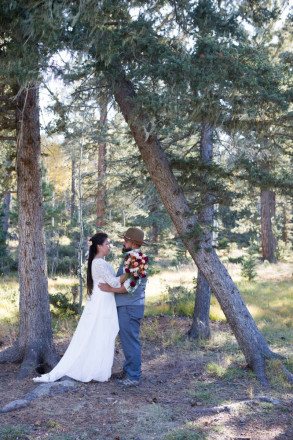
<point x="123" y="278"/>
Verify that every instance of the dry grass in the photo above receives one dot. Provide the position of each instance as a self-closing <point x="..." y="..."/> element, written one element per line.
<point x="269" y="299"/>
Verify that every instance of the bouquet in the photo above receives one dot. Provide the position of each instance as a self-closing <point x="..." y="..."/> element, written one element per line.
<point x="135" y="267"/>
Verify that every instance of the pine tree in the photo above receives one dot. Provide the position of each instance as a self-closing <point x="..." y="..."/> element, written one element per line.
<point x="35" y="341"/>
<point x="249" y="264"/>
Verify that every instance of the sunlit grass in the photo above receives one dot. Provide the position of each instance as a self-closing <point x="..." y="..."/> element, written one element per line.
<point x="9" y="294"/>
<point x="9" y="304"/>
<point x="158" y="284"/>
<point x="269" y="299"/>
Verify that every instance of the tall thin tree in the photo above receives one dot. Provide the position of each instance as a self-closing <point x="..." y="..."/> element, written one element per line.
<point x="200" y="327"/>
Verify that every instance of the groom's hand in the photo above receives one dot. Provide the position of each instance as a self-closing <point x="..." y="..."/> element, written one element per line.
<point x="105" y="287"/>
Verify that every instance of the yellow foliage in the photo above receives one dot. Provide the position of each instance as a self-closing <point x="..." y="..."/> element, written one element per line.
<point x="58" y="167"/>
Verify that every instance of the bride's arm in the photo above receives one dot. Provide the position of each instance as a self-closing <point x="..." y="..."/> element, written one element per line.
<point x="103" y="271"/>
<point x="123" y="289"/>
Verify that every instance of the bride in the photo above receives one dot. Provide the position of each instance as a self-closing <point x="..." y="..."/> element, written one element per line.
<point x="90" y="353"/>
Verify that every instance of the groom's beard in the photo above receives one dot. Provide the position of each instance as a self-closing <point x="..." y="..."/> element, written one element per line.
<point x="124" y="249"/>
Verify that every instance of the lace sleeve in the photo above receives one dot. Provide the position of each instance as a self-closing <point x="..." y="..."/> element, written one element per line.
<point x="103" y="271"/>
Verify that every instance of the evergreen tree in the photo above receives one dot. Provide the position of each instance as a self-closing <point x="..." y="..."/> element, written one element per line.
<point x="19" y="64"/>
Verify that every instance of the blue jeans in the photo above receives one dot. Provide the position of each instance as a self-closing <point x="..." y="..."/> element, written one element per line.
<point x="129" y="322"/>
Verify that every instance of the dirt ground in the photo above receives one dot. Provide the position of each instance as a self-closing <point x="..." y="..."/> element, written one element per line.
<point x="176" y="384"/>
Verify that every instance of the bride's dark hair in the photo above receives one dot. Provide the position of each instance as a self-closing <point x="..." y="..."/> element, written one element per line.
<point x="96" y="239"/>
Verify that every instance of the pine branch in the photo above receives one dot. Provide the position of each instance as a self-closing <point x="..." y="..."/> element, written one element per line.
<point x="290" y="136"/>
<point x="7" y="138"/>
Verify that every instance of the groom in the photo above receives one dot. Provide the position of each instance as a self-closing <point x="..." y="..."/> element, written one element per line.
<point x="130" y="309"/>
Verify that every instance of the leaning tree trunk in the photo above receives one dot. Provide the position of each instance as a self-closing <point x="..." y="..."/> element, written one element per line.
<point x="35" y="341"/>
<point x="200" y="328"/>
<point x="268" y="240"/>
<point x="250" y="340"/>
<point x="102" y="167"/>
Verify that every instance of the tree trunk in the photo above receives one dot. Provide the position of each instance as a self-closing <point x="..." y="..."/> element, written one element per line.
<point x="239" y="318"/>
<point x="73" y="191"/>
<point x="7" y="198"/>
<point x="80" y="225"/>
<point x="285" y="223"/>
<point x="200" y="328"/>
<point x="102" y="167"/>
<point x="123" y="222"/>
<point x="35" y="342"/>
<point x="155" y="237"/>
<point x="267" y="238"/>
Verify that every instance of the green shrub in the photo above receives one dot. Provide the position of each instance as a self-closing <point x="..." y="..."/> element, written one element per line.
<point x="249" y="264"/>
<point x="63" y="304"/>
<point x="237" y="260"/>
<point x="67" y="265"/>
<point x="179" y="294"/>
<point x="67" y="251"/>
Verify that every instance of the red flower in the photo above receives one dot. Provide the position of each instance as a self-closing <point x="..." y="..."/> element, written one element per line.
<point x="136" y="277"/>
<point x="127" y="270"/>
<point x="143" y="275"/>
<point x="146" y="258"/>
<point x="140" y="254"/>
<point x="133" y="283"/>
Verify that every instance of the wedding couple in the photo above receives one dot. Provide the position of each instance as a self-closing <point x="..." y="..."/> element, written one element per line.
<point x="109" y="309"/>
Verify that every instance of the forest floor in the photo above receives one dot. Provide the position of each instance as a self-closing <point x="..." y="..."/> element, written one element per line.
<point x="180" y="379"/>
<point x="184" y="384"/>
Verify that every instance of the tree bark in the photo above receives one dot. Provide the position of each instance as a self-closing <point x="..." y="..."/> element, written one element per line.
<point x="35" y="342"/>
<point x="268" y="240"/>
<point x="80" y="225"/>
<point x="123" y="222"/>
<point x="73" y="191"/>
<point x="250" y="340"/>
<point x="285" y="223"/>
<point x="102" y="167"/>
<point x="200" y="328"/>
<point x="155" y="237"/>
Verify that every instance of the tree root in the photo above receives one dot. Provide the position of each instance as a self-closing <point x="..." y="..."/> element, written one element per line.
<point x="11" y="354"/>
<point x="35" y="357"/>
<point x="43" y="390"/>
<point x="31" y="359"/>
<point x="228" y="408"/>
<point x="29" y="364"/>
<point x="199" y="332"/>
<point x="276" y="355"/>
<point x="51" y="358"/>
<point x="287" y="373"/>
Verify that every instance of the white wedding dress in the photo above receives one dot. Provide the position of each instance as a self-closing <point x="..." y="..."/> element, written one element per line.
<point x="90" y="353"/>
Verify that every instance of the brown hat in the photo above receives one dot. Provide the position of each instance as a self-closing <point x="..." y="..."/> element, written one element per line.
<point x="134" y="234"/>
